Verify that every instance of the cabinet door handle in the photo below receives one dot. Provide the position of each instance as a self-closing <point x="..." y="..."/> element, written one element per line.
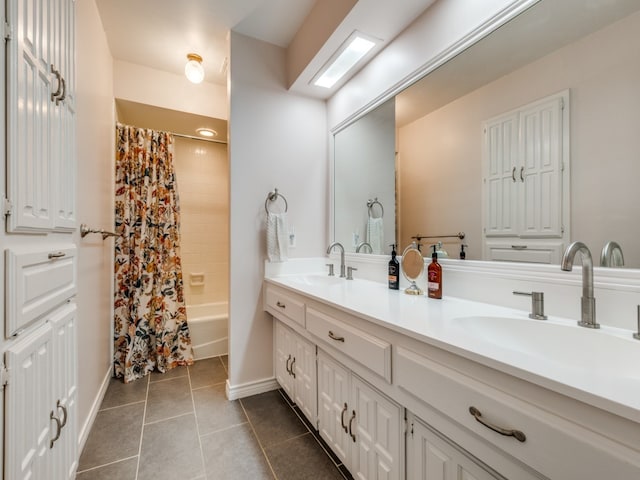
<point x="287" y="364"/>
<point x="293" y="372"/>
<point x="353" y="417"/>
<point x="344" y="410"/>
<point x="64" y="411"/>
<point x="522" y="174"/>
<point x="513" y="174"/>
<point x="333" y="336"/>
<point x="59" y="428"/>
<point x="55" y="94"/>
<point x="520" y="436"/>
<point x="53" y="255"/>
<point x="64" y="92"/>
<point x="280" y="305"/>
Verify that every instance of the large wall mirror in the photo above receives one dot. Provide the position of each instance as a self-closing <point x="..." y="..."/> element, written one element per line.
<point x="422" y="154"/>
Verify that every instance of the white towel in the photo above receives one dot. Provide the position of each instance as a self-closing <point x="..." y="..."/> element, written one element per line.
<point x="277" y="233"/>
<point x="375" y="235"/>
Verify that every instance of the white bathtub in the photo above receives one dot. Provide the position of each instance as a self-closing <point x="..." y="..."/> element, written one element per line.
<point x="209" y="329"/>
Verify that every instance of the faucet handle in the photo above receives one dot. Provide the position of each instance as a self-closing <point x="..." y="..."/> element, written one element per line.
<point x="330" y="265"/>
<point x="637" y="334"/>
<point x="350" y="272"/>
<point x="537" y="304"/>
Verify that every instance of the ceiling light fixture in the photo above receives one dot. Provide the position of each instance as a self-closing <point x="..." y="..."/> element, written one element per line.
<point x="207" y="132"/>
<point x="350" y="53"/>
<point x="194" y="70"/>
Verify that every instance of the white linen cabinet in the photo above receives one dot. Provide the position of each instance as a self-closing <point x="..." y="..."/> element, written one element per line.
<point x="40" y="400"/>
<point x="40" y="83"/>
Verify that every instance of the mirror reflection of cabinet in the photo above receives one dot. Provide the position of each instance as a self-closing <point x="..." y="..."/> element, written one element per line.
<point x="526" y="181"/>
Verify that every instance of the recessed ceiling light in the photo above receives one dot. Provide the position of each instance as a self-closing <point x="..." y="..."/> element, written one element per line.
<point x="346" y="58"/>
<point x="206" y="132"/>
<point x="194" y="70"/>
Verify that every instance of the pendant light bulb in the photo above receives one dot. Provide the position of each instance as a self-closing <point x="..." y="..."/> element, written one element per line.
<point x="194" y="70"/>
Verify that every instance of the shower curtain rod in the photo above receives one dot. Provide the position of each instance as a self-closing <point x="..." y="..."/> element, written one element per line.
<point x="193" y="137"/>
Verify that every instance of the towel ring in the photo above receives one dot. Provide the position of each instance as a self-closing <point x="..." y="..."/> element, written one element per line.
<point x="371" y="203"/>
<point x="272" y="197"/>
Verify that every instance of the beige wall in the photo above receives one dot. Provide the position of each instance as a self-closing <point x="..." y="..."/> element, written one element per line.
<point x="440" y="154"/>
<point x="202" y="171"/>
<point x="276" y="140"/>
<point x="95" y="139"/>
<point x="141" y="84"/>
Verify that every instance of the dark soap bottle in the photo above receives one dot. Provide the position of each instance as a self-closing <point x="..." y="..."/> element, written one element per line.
<point x="434" y="276"/>
<point x="394" y="270"/>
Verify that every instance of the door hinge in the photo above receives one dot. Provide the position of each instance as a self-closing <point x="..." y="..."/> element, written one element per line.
<point x="4" y="377"/>
<point x="7" y="33"/>
<point x="7" y="206"/>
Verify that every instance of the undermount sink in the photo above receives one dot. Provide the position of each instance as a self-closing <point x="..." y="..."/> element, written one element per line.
<point x="550" y="342"/>
<point x="314" y="280"/>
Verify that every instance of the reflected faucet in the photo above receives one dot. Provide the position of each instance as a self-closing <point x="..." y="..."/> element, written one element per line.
<point x="338" y="244"/>
<point x="588" y="310"/>
<point x="611" y="255"/>
<point x="361" y="245"/>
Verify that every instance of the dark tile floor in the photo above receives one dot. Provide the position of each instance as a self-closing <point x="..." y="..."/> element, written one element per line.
<point x="181" y="426"/>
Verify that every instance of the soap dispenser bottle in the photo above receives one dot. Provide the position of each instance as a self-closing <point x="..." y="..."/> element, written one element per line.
<point x="434" y="276"/>
<point x="394" y="270"/>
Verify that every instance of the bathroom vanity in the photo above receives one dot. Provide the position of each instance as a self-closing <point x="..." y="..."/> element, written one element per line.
<point x="403" y="386"/>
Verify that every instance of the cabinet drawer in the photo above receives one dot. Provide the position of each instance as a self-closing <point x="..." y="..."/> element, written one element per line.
<point x="366" y="349"/>
<point x="36" y="282"/>
<point x="553" y="446"/>
<point x="279" y="303"/>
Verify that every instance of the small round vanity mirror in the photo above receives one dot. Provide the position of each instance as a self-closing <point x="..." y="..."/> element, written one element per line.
<point x="412" y="268"/>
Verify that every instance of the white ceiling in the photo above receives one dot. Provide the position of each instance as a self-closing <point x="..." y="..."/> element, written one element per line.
<point x="159" y="33"/>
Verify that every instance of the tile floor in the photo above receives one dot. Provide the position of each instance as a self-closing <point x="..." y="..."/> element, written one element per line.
<point x="181" y="426"/>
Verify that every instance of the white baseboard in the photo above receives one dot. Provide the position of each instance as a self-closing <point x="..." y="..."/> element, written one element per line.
<point x="252" y="388"/>
<point x="86" y="428"/>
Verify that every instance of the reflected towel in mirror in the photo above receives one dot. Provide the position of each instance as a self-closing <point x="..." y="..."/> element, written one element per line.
<point x="277" y="232"/>
<point x="375" y="234"/>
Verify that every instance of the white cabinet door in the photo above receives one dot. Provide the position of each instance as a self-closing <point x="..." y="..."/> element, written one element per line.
<point x="29" y="115"/>
<point x="541" y="169"/>
<point x="284" y="357"/>
<point x="41" y="160"/>
<point x="305" y="377"/>
<point x="65" y="390"/>
<point x="431" y="457"/>
<point x="295" y="369"/>
<point x="63" y="138"/>
<point x="501" y="150"/>
<point x="333" y="406"/>
<point x="29" y="427"/>
<point x="378" y="431"/>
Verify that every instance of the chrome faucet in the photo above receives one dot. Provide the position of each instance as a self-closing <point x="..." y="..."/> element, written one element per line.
<point x="611" y="255"/>
<point x="361" y="245"/>
<point x="338" y="244"/>
<point x="588" y="310"/>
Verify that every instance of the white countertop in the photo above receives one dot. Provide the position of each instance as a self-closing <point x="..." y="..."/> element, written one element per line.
<point x="598" y="367"/>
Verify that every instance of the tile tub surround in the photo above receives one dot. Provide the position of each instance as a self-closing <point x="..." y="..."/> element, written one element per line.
<point x="180" y="425"/>
<point x="433" y="322"/>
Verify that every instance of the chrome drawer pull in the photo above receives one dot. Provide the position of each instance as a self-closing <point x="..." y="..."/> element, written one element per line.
<point x="353" y="417"/>
<point x="520" y="436"/>
<point x="344" y="410"/>
<point x="56" y="255"/>
<point x="59" y="426"/>
<point x="332" y="336"/>
<point x="280" y="305"/>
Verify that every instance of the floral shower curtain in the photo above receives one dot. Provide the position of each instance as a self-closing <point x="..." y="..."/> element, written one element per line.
<point x="151" y="331"/>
